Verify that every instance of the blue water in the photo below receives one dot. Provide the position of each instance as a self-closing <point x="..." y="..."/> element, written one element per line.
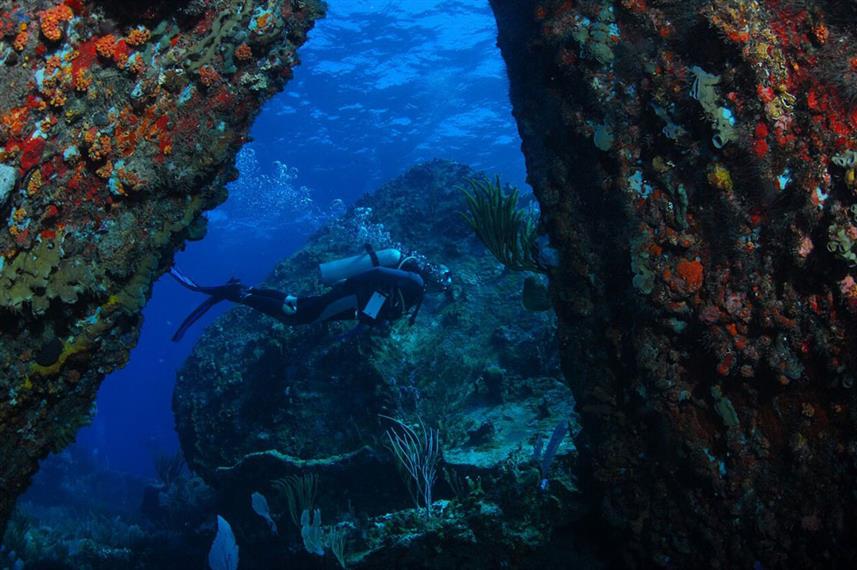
<point x="382" y="86"/>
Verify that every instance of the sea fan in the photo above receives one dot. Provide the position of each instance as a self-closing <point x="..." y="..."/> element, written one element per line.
<point x="224" y="550"/>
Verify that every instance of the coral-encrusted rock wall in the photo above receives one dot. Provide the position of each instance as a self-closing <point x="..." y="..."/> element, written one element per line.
<point x="695" y="162"/>
<point x="118" y="127"/>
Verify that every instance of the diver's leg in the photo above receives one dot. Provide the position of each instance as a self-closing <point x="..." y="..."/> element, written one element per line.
<point x="337" y="304"/>
<point x="283" y="307"/>
<point x="334" y="305"/>
<point x="268" y="301"/>
<point x="276" y="294"/>
<point x="310" y="308"/>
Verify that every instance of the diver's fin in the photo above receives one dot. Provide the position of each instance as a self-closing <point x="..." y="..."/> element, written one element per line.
<point x="183" y="279"/>
<point x="232" y="290"/>
<point x="195" y="316"/>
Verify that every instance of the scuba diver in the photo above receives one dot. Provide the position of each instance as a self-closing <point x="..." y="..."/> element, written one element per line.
<point x="372" y="288"/>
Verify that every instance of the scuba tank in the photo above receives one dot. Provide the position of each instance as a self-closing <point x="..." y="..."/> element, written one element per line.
<point x="339" y="269"/>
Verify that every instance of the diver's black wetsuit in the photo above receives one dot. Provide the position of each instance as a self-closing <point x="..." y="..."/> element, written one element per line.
<point x="401" y="289"/>
<point x="376" y="295"/>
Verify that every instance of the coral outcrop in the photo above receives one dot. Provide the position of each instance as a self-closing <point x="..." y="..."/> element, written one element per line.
<point x="695" y="165"/>
<point x="118" y="127"/>
<point x="258" y="401"/>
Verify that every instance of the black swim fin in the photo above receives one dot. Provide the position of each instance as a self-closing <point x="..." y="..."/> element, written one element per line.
<point x="195" y="316"/>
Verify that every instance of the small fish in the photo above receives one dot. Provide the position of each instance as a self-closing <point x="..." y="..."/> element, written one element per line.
<point x="260" y="505"/>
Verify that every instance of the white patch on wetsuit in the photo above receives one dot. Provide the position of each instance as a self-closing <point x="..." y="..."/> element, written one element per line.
<point x="290" y="305"/>
<point x="374" y="305"/>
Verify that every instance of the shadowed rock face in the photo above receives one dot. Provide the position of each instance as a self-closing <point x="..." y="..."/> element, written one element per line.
<point x="694" y="162"/>
<point x="118" y="127"/>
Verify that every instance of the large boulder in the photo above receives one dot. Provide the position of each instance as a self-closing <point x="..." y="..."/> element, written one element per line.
<point x="119" y="123"/>
<point x="695" y="165"/>
<point x="258" y="401"/>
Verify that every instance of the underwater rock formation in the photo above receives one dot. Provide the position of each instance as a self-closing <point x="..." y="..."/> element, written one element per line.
<point x="119" y="123"/>
<point x="695" y="164"/>
<point x="258" y="401"/>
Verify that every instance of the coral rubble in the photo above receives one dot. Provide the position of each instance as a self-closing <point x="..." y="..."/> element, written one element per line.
<point x="695" y="165"/>
<point x="118" y="127"/>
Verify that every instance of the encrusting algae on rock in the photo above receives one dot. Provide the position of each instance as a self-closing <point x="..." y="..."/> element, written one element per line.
<point x="706" y="298"/>
<point x="113" y="141"/>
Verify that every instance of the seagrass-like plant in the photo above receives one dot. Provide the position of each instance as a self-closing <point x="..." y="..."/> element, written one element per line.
<point x="507" y="231"/>
<point x="169" y="468"/>
<point x="418" y="452"/>
<point x="300" y="492"/>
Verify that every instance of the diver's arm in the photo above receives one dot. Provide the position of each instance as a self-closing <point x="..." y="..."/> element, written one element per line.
<point x="419" y="305"/>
